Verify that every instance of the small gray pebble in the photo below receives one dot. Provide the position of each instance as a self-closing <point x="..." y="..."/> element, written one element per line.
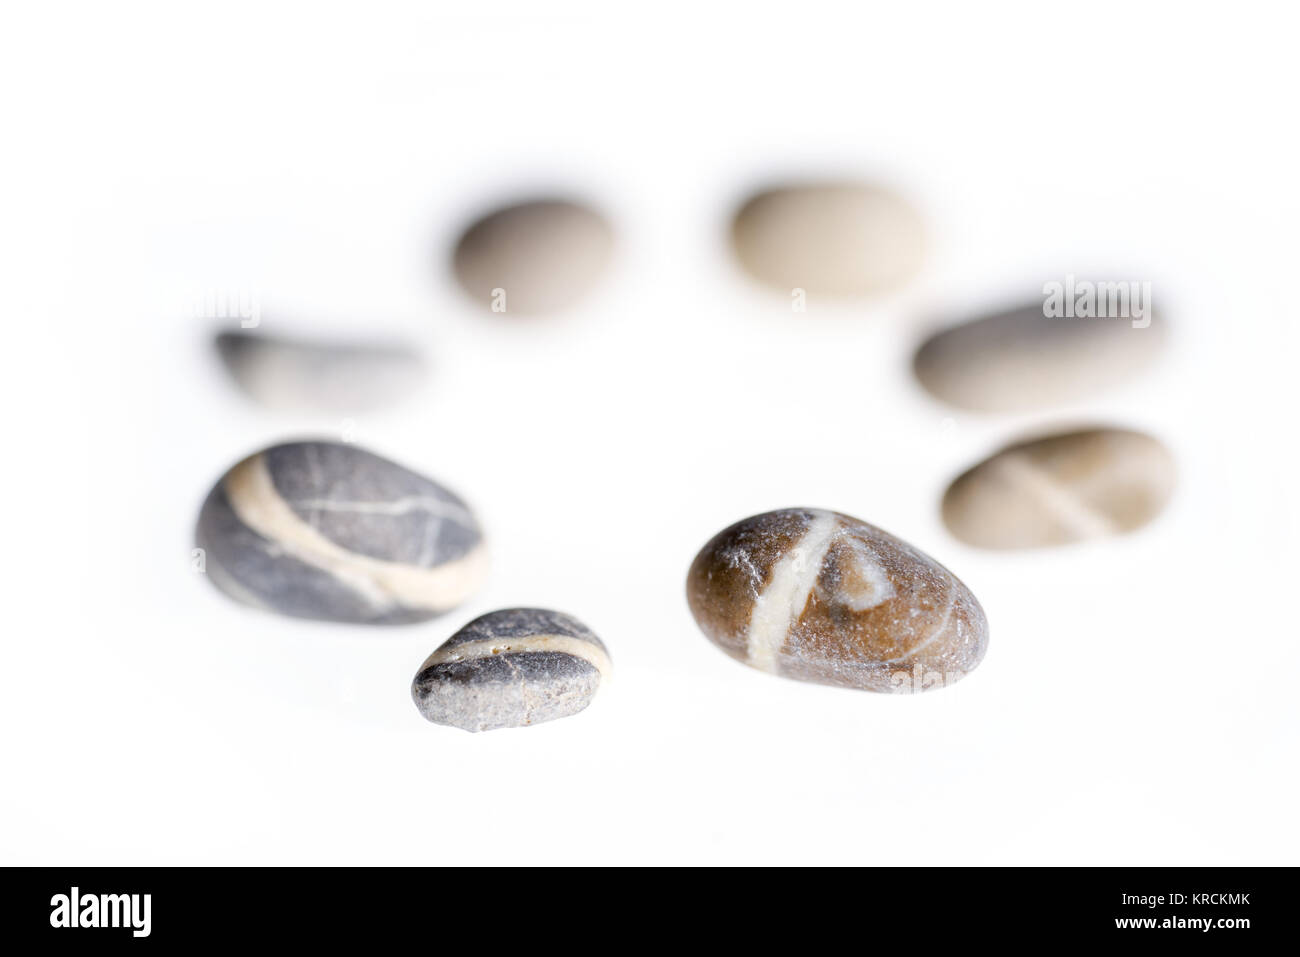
<point x="329" y="531"/>
<point x="318" y="376"/>
<point x="1022" y="360"/>
<point x="534" y="257"/>
<point x="510" y="669"/>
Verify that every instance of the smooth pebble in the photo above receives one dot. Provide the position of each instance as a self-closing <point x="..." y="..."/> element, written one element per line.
<point x="535" y="257"/>
<point x="838" y="239"/>
<point x="327" y="530"/>
<point x="1021" y="359"/>
<point x="819" y="596"/>
<point x="318" y="376"/>
<point x="511" y="668"/>
<point x="1060" y="489"/>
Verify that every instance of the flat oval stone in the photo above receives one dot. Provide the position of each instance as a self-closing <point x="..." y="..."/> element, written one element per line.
<point x="820" y="596"/>
<point x="318" y="376"/>
<point x="1022" y="360"/>
<point x="838" y="239"/>
<point x="1061" y="489"/>
<point x="327" y="530"/>
<point x="534" y="257"/>
<point x="510" y="669"/>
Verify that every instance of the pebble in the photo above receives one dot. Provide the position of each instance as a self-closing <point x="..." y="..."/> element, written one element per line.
<point x="838" y="239"/>
<point x="535" y="257"/>
<point x="1064" y="488"/>
<point x="329" y="531"/>
<point x="1022" y="360"/>
<point x="510" y="669"/>
<point x="822" y="597"/>
<point x="315" y="376"/>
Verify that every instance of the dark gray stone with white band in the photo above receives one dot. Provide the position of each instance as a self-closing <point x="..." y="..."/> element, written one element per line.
<point x="330" y="531"/>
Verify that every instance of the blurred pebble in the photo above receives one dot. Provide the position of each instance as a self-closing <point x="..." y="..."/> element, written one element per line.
<point x="326" y="530"/>
<point x="1061" y="489"/>
<point x="313" y="376"/>
<point x="511" y="668"/>
<point x="1021" y="359"/>
<point x="833" y="239"/>
<point x="535" y="257"/>
<point x="823" y="597"/>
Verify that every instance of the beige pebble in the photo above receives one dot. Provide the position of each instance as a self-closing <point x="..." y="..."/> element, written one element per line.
<point x="835" y="239"/>
<point x="535" y="257"/>
<point x="822" y="597"/>
<point x="1021" y="360"/>
<point x="1061" y="489"/>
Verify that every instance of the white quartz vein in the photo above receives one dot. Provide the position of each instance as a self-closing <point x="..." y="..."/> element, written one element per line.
<point x="1019" y="471"/>
<point x="588" y="651"/>
<point x="793" y="578"/>
<point x="382" y="584"/>
<point x="398" y="506"/>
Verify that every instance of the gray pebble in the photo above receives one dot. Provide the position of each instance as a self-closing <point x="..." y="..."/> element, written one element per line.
<point x="1061" y="489"/>
<point x="838" y="239"/>
<point x="511" y="668"/>
<point x="329" y="531"/>
<point x="1022" y="360"/>
<point x="534" y="257"/>
<point x="317" y="376"/>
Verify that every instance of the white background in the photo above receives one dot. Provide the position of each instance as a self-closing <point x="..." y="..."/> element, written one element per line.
<point x="1137" y="704"/>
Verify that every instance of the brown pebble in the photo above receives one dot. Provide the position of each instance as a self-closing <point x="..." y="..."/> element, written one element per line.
<point x="822" y="597"/>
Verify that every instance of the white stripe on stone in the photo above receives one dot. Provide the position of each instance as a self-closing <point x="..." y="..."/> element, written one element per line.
<point x="398" y="506"/>
<point x="862" y="582"/>
<point x="588" y="651"/>
<point x="383" y="584"/>
<point x="1020" y="472"/>
<point x="780" y="604"/>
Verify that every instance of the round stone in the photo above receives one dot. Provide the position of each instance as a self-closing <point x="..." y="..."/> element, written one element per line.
<point x="820" y="596"/>
<point x="1022" y="360"/>
<point x="1061" y="489"/>
<point x="840" y="239"/>
<point x="510" y="669"/>
<point x="534" y="257"/>
<point x="317" y="376"/>
<point x="327" y="530"/>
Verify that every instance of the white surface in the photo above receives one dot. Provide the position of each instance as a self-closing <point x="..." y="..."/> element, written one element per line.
<point x="1137" y="704"/>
